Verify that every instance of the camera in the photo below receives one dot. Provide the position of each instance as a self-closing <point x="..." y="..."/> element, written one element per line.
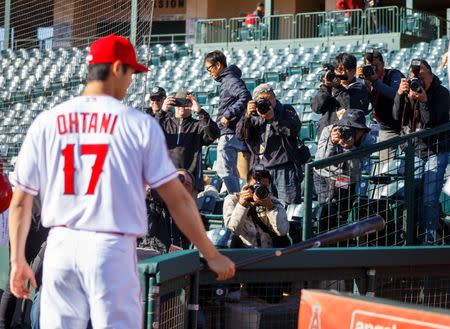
<point x="329" y="74"/>
<point x="347" y="134"/>
<point x="261" y="191"/>
<point x="368" y="70"/>
<point x="182" y="102"/>
<point x="415" y="83"/>
<point x="263" y="106"/>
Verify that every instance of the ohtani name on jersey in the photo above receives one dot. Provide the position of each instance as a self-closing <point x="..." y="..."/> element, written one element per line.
<point x="84" y="122"/>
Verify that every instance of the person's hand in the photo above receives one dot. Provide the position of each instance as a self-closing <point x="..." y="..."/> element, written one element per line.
<point x="195" y="105"/>
<point x="359" y="71"/>
<point x="372" y="78"/>
<point x="224" y="121"/>
<point x="420" y="96"/>
<point x="251" y="108"/>
<point x="335" y="136"/>
<point x="20" y="273"/>
<point x="168" y="103"/>
<point x="404" y="87"/>
<point x="246" y="196"/>
<point x="223" y="266"/>
<point x="266" y="203"/>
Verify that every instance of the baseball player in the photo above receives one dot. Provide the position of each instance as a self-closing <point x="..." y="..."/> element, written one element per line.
<point x="89" y="159"/>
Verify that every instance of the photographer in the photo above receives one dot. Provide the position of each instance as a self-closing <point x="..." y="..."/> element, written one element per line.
<point x="157" y="97"/>
<point x="335" y="185"/>
<point x="270" y="131"/>
<point x="163" y="234"/>
<point x="384" y="84"/>
<point x="423" y="103"/>
<point x="340" y="90"/>
<point x="185" y="136"/>
<point x="258" y="218"/>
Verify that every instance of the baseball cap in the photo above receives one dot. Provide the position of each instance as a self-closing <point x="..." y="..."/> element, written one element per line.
<point x="353" y="118"/>
<point x="114" y="48"/>
<point x="158" y="92"/>
<point x="262" y="89"/>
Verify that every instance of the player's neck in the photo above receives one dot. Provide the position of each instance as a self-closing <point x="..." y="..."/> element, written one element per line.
<point x="99" y="88"/>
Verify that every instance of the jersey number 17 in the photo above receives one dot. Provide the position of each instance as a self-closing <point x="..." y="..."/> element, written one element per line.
<point x="99" y="150"/>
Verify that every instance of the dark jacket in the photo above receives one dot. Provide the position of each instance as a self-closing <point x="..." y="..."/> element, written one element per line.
<point x="383" y="94"/>
<point x="234" y="97"/>
<point x="328" y="101"/>
<point x="283" y="128"/>
<point x="185" y="138"/>
<point x="415" y="116"/>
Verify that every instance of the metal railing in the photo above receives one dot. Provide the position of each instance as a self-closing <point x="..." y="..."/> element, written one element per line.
<point x="355" y="22"/>
<point x="395" y="188"/>
<point x="179" y="294"/>
<point x="211" y="31"/>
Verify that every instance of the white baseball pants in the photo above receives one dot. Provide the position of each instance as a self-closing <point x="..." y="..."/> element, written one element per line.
<point x="90" y="275"/>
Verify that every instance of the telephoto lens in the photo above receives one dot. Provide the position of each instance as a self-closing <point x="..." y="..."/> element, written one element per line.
<point x="263" y="106"/>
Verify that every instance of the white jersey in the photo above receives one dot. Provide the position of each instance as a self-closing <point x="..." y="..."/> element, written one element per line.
<point x="89" y="159"/>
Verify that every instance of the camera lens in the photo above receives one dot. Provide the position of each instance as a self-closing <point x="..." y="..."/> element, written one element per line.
<point x="263" y="106"/>
<point x="261" y="191"/>
<point x="415" y="84"/>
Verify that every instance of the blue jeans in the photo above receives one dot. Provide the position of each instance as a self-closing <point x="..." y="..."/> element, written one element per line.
<point x="433" y="180"/>
<point x="226" y="165"/>
<point x="285" y="184"/>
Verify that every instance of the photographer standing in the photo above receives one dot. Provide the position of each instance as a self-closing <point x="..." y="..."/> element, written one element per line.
<point x="270" y="131"/>
<point x="335" y="185"/>
<point x="340" y="90"/>
<point x="423" y="103"/>
<point x="185" y="135"/>
<point x="258" y="218"/>
<point x="384" y="84"/>
<point x="234" y="95"/>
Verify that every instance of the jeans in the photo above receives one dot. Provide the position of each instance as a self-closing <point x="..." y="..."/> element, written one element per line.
<point x="226" y="165"/>
<point x="433" y="181"/>
<point x="285" y="184"/>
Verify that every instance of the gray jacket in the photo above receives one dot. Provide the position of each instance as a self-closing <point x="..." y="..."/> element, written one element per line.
<point x="352" y="168"/>
<point x="237" y="220"/>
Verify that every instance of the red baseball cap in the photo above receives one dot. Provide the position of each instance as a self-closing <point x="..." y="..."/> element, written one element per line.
<point x="114" y="48"/>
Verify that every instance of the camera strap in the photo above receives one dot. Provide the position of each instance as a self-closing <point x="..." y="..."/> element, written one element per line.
<point x="263" y="146"/>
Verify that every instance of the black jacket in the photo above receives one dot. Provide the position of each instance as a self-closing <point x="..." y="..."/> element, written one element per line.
<point x="416" y="116"/>
<point x="234" y="97"/>
<point x="286" y="124"/>
<point x="328" y="101"/>
<point x="185" y="138"/>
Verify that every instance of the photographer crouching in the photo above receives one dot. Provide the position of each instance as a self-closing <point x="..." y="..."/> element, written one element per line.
<point x="336" y="184"/>
<point x="258" y="218"/>
<point x="423" y="103"/>
<point x="270" y="131"/>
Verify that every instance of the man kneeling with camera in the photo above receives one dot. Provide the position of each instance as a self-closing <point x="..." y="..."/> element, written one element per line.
<point x="258" y="218"/>
<point x="336" y="184"/>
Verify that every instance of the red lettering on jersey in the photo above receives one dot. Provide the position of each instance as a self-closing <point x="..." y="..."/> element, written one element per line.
<point x="106" y="118"/>
<point x="62" y="129"/>
<point x="73" y="122"/>
<point x="113" y="125"/>
<point x="93" y="123"/>
<point x="84" y="115"/>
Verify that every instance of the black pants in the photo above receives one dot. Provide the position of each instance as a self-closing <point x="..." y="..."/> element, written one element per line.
<point x="8" y="302"/>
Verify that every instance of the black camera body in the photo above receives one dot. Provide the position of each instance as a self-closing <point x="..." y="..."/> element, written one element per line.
<point x="182" y="102"/>
<point x="260" y="190"/>
<point x="263" y="106"/>
<point x="415" y="83"/>
<point x="368" y="70"/>
<point x="347" y="134"/>
<point x="329" y="73"/>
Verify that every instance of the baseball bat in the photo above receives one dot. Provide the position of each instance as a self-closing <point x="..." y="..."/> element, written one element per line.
<point x="366" y="226"/>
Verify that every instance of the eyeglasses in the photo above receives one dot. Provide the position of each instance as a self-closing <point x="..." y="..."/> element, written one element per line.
<point x="210" y="67"/>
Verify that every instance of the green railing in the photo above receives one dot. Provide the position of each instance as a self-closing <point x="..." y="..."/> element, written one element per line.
<point x="391" y="188"/>
<point x="177" y="293"/>
<point x="356" y="22"/>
